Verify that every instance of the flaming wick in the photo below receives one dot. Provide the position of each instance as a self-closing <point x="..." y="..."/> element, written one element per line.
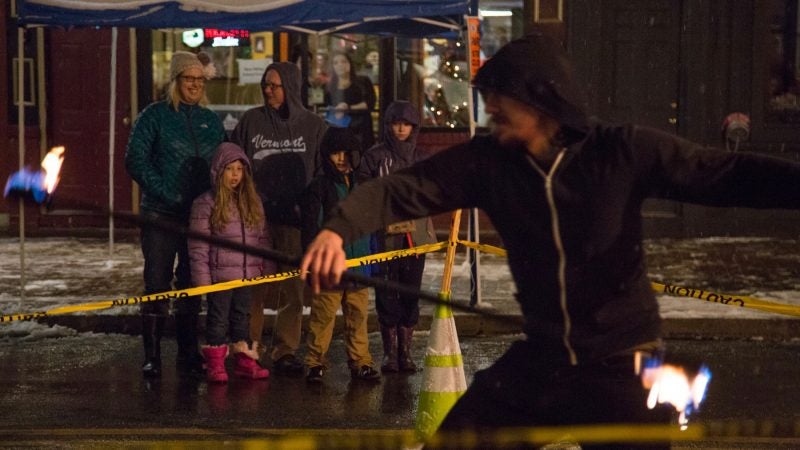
<point x="671" y="384"/>
<point x="40" y="184"/>
<point x="51" y="165"/>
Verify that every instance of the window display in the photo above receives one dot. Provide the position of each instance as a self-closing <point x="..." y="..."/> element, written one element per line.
<point x="783" y="86"/>
<point x="431" y="73"/>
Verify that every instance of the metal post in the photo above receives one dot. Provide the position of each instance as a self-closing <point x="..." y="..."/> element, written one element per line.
<point x="474" y="257"/>
<point x="473" y="231"/>
<point x="134" y="83"/>
<point x="112" y="124"/>
<point x="21" y="148"/>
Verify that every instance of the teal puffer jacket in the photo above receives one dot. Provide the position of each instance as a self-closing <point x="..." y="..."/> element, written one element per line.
<point x="168" y="155"/>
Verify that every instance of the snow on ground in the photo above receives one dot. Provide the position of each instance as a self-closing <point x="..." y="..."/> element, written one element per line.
<point x="69" y="271"/>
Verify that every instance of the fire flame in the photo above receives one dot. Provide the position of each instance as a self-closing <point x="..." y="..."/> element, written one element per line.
<point x="672" y="384"/>
<point x="51" y="165"/>
<point x="39" y="184"/>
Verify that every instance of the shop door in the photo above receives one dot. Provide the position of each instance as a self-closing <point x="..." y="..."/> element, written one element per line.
<point x="640" y="70"/>
<point x="78" y="87"/>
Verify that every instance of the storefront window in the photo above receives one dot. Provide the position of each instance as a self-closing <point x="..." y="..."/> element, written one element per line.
<point x="783" y="88"/>
<point x="241" y="63"/>
<point x="434" y="74"/>
<point x="239" y="57"/>
<point x="345" y="82"/>
<point x="501" y="22"/>
<point x="431" y="73"/>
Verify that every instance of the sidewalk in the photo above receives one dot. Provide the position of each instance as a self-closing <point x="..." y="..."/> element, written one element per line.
<point x="68" y="271"/>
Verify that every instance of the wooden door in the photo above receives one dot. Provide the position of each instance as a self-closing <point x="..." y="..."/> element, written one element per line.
<point x="640" y="70"/>
<point x="78" y="87"/>
<point x="641" y="46"/>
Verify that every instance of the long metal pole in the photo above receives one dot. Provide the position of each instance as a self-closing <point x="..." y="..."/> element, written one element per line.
<point x="21" y="148"/>
<point x="112" y="128"/>
<point x="134" y="106"/>
<point x="41" y="99"/>
<point x="473" y="231"/>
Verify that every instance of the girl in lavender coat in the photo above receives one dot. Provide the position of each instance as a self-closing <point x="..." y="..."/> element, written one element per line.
<point x="231" y="210"/>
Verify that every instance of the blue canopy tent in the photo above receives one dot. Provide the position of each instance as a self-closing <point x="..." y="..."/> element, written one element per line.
<point x="416" y="18"/>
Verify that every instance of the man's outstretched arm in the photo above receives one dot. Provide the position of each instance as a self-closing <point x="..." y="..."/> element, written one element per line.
<point x="324" y="261"/>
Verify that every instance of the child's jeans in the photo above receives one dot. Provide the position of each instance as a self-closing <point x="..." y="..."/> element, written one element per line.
<point x="228" y="316"/>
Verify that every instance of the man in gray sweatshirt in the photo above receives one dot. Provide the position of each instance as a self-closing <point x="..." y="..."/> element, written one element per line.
<point x="282" y="141"/>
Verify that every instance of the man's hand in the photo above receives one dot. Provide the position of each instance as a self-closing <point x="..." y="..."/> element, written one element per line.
<point x="324" y="261"/>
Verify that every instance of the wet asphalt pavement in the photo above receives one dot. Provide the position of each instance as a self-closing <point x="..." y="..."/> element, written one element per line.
<point x="86" y="391"/>
<point x="62" y="388"/>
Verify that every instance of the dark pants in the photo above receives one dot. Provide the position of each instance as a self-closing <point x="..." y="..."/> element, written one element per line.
<point x="228" y="315"/>
<point x="396" y="309"/>
<point x="524" y="389"/>
<point x="160" y="247"/>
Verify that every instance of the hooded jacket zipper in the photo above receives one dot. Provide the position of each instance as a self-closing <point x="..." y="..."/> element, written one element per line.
<point x="562" y="257"/>
<point x="244" y="242"/>
<point x="188" y="114"/>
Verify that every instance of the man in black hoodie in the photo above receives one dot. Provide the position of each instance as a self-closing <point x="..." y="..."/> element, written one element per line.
<point x="565" y="194"/>
<point x="282" y="140"/>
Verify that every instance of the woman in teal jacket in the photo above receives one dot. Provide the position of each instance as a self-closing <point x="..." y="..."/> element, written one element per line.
<point x="168" y="154"/>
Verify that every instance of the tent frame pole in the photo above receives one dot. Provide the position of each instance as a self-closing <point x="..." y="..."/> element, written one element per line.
<point x="112" y="135"/>
<point x="21" y="148"/>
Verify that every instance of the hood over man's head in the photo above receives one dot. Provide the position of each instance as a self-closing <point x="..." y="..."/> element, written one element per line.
<point x="535" y="70"/>
<point x="289" y="87"/>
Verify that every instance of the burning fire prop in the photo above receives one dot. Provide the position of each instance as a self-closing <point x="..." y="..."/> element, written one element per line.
<point x="41" y="184"/>
<point x="682" y="386"/>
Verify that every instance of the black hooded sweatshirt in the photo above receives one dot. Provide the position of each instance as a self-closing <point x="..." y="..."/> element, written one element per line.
<point x="573" y="232"/>
<point x="283" y="145"/>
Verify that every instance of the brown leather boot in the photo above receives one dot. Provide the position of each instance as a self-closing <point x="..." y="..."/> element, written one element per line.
<point x="389" y="336"/>
<point x="404" y="359"/>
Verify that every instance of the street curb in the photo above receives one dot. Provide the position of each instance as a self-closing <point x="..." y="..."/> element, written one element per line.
<point x="476" y="325"/>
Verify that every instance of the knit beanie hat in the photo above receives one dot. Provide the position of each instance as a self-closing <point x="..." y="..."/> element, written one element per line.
<point x="184" y="60"/>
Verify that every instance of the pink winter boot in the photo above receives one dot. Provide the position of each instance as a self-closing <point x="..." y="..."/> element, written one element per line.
<point x="246" y="362"/>
<point x="215" y="363"/>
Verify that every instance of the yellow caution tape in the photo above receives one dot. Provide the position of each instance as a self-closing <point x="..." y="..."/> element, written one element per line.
<point x="680" y="291"/>
<point x="748" y="433"/>
<point x="740" y="301"/>
<point x="224" y="286"/>
<point x="486" y="248"/>
<point x="395" y="254"/>
<point x="725" y="299"/>
<point x="169" y="295"/>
